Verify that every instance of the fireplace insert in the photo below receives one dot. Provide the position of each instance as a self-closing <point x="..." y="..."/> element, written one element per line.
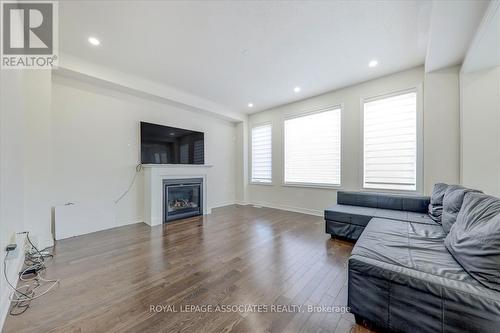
<point x="182" y="198"/>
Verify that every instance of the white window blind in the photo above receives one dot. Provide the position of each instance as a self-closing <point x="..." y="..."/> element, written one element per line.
<point x="312" y="148"/>
<point x="390" y="142"/>
<point x="262" y="154"/>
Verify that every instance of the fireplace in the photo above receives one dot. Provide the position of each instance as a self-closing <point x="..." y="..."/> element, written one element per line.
<point x="154" y="188"/>
<point x="182" y="198"/>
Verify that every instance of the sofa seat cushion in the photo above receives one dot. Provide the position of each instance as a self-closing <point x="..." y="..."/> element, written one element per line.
<point x="350" y="214"/>
<point x="420" y="218"/>
<point x="362" y="215"/>
<point x="415" y="246"/>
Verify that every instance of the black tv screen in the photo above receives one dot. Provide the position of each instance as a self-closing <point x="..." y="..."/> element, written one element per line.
<point x="171" y="145"/>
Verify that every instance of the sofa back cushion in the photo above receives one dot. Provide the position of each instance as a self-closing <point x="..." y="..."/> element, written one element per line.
<point x="452" y="202"/>
<point x="412" y="203"/>
<point x="436" y="205"/>
<point x="474" y="240"/>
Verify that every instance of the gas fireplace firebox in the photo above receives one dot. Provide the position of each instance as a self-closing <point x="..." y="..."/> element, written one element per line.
<point x="182" y="198"/>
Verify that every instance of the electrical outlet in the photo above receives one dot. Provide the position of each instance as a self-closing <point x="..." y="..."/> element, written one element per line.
<point x="19" y="239"/>
<point x="13" y="254"/>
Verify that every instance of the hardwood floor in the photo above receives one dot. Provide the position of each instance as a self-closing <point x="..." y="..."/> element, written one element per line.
<point x="239" y="255"/>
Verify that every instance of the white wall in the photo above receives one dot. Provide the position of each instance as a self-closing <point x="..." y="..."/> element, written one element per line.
<point x="241" y="162"/>
<point x="443" y="102"/>
<point x="38" y="157"/>
<point x="95" y="146"/>
<point x="25" y="154"/>
<point x="24" y="167"/>
<point x="480" y="97"/>
<point x="12" y="111"/>
<point x="480" y="106"/>
<point x="441" y="127"/>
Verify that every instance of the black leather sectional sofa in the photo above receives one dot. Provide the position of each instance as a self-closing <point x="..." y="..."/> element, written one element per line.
<point x="414" y="272"/>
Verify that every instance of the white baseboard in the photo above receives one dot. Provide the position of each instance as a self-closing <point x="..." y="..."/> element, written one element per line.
<point x="127" y="221"/>
<point x="222" y="204"/>
<point x="294" y="209"/>
<point x="14" y="266"/>
<point x="302" y="210"/>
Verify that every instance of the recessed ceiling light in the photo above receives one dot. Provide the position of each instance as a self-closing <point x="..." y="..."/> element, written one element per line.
<point x="94" y="41"/>
<point x="296" y="89"/>
<point x="373" y="63"/>
<point x="250" y="105"/>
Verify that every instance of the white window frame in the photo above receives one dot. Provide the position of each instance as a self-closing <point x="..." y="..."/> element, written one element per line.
<point x="420" y="139"/>
<point x="307" y="113"/>
<point x="250" y="174"/>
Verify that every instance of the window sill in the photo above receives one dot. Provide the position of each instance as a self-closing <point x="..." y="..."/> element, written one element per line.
<point x="312" y="185"/>
<point x="384" y="190"/>
<point x="261" y="183"/>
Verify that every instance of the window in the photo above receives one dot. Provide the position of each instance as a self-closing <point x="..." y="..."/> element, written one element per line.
<point x="184" y="154"/>
<point x="262" y="154"/>
<point x="312" y="148"/>
<point x="390" y="142"/>
<point x="199" y="152"/>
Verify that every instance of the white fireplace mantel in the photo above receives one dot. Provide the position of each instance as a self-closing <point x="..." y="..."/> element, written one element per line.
<point x="154" y="174"/>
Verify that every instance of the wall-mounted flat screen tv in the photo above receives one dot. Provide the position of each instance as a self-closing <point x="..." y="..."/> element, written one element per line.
<point x="171" y="145"/>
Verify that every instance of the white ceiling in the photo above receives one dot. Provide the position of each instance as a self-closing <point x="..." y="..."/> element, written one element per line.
<point x="234" y="53"/>
<point x="485" y="48"/>
<point x="453" y="25"/>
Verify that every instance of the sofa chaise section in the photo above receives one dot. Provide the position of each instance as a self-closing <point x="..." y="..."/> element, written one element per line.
<point x="353" y="211"/>
<point x="402" y="278"/>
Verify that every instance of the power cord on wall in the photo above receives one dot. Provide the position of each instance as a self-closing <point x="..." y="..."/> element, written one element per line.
<point x="35" y="264"/>
<point x="138" y="169"/>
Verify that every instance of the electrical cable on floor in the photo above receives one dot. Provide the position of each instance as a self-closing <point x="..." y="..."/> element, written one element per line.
<point x="24" y="294"/>
<point x="138" y="169"/>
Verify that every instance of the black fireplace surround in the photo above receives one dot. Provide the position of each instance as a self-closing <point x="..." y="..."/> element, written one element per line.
<point x="182" y="198"/>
